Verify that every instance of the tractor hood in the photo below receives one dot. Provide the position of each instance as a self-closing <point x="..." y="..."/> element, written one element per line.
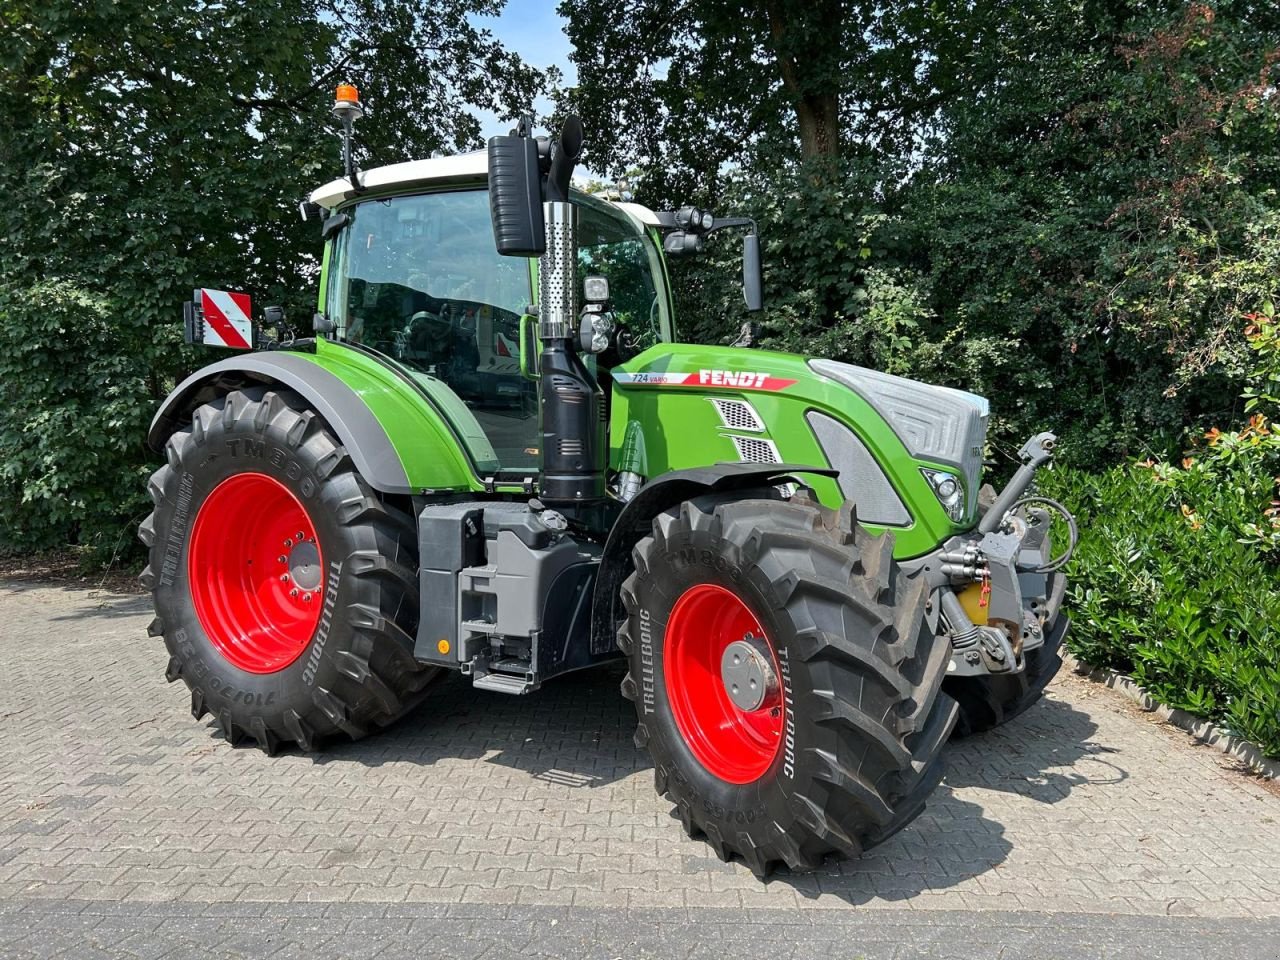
<point x="938" y="424"/>
<point x="890" y="439"/>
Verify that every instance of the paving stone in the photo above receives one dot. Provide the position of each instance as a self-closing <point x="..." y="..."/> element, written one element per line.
<point x="481" y="811"/>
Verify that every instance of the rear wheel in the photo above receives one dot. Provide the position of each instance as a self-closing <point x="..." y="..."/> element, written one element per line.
<point x="284" y="587"/>
<point x="786" y="683"/>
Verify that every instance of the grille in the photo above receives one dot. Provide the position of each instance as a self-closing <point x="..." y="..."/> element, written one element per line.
<point x="861" y="479"/>
<point x="756" y="450"/>
<point x="567" y="390"/>
<point x="738" y="415"/>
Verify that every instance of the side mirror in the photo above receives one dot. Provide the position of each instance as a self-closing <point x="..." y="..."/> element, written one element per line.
<point x="752" y="277"/>
<point x="515" y="195"/>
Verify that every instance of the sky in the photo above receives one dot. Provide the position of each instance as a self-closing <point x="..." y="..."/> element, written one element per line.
<point x="533" y="29"/>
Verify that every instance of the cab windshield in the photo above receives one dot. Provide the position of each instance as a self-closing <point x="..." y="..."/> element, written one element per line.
<point x="418" y="278"/>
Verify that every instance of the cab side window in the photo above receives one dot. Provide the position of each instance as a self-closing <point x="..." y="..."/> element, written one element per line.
<point x="609" y="247"/>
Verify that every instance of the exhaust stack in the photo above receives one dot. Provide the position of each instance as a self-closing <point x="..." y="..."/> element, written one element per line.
<point x="570" y="402"/>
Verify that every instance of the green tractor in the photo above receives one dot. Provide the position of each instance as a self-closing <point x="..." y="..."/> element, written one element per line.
<point x="495" y="457"/>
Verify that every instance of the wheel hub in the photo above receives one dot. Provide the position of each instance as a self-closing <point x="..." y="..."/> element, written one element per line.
<point x="304" y="564"/>
<point x="255" y="572"/>
<point x="747" y="673"/>
<point x="721" y="674"/>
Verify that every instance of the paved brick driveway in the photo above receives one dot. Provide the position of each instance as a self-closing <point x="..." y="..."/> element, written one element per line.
<point x="496" y="826"/>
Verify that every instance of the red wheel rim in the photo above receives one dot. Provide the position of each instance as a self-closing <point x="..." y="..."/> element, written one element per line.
<point x="255" y="572"/>
<point x="733" y="744"/>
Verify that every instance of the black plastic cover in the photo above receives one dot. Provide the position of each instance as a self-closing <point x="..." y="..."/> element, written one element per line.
<point x="515" y="197"/>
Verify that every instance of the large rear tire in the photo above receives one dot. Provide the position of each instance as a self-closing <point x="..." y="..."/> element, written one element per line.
<point x="284" y="586"/>
<point x="845" y="745"/>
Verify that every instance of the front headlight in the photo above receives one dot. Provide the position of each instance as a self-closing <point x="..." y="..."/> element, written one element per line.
<point x="949" y="491"/>
<point x="595" y="332"/>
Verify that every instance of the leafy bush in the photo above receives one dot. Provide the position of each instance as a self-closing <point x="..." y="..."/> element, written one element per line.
<point x="1163" y="589"/>
<point x="1236" y="470"/>
<point x="1177" y="578"/>
<point x="75" y="412"/>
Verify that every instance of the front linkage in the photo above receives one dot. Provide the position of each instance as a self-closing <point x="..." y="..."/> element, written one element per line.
<point x="999" y="594"/>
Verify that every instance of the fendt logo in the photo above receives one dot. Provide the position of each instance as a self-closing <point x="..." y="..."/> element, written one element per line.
<point x="739" y="379"/>
<point x="732" y="378"/>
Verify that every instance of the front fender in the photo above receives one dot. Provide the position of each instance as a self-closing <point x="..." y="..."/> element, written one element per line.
<point x="636" y="521"/>
<point x="396" y="440"/>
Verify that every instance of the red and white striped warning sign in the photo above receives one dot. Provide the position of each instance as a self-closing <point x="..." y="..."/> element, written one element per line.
<point x="226" y="319"/>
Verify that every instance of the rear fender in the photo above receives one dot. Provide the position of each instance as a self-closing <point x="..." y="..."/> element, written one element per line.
<point x="398" y="442"/>
<point x="636" y="522"/>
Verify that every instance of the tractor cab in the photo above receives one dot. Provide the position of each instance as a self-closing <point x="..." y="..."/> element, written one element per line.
<point x="413" y="274"/>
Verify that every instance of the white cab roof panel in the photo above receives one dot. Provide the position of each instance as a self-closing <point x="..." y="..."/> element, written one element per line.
<point x="443" y="170"/>
<point x="464" y="166"/>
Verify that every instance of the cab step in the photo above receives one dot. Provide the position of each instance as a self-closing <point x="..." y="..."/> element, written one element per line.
<point x="503" y="683"/>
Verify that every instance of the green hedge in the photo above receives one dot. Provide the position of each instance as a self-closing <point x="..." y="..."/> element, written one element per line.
<point x="77" y="403"/>
<point x="1167" y="587"/>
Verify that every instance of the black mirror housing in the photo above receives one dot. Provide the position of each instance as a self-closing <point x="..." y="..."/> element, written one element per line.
<point x="515" y="196"/>
<point x="752" y="273"/>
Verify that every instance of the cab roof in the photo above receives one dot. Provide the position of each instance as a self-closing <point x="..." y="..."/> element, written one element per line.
<point x="459" y="168"/>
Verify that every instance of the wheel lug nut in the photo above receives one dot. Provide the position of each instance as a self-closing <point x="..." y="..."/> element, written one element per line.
<point x="299" y="537"/>
<point x="284" y="578"/>
<point x="293" y="592"/>
<point x="288" y="544"/>
<point x="306" y="597"/>
<point x="282" y="558"/>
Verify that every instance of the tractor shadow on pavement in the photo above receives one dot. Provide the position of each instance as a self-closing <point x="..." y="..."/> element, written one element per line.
<point x="1040" y="756"/>
<point x="576" y="734"/>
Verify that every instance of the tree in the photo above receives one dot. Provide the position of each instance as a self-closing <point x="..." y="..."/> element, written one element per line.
<point x="689" y="90"/>
<point x="151" y="146"/>
<point x="1066" y="205"/>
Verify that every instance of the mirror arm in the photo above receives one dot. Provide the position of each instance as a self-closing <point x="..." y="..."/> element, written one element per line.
<point x="722" y="223"/>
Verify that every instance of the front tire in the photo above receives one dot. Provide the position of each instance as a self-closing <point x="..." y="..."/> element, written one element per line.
<point x="284" y="586"/>
<point x="845" y="744"/>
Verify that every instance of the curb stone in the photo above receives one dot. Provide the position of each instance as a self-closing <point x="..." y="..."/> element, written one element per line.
<point x="1202" y="730"/>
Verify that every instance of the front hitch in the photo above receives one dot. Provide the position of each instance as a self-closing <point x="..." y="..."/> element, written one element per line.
<point x="1002" y="596"/>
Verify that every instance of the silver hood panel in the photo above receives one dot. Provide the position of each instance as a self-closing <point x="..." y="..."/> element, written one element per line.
<point x="939" y="424"/>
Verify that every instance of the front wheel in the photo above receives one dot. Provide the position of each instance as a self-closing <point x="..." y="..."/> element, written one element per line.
<point x="786" y="683"/>
<point x="284" y="587"/>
